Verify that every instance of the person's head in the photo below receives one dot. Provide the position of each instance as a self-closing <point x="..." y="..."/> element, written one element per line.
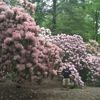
<point x="67" y="68"/>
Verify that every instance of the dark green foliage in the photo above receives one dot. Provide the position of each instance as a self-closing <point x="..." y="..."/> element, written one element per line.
<point x="73" y="86"/>
<point x="98" y="84"/>
<point x="88" y="79"/>
<point x="10" y="75"/>
<point x="84" y="74"/>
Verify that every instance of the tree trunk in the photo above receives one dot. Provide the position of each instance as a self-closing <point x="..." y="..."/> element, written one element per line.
<point x="96" y="25"/>
<point x="54" y="15"/>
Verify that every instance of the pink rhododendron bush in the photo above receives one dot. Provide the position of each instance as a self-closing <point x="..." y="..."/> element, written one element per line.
<point x="22" y="52"/>
<point x="75" y="56"/>
<point x="94" y="67"/>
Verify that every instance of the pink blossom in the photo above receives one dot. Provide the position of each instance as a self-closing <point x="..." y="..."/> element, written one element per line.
<point x="29" y="65"/>
<point x="17" y="57"/>
<point x="41" y="66"/>
<point x="7" y="62"/>
<point x="20" y="67"/>
<point x="8" y="40"/>
<point x="23" y="60"/>
<point x="9" y="31"/>
<point x="2" y="17"/>
<point x="18" y="45"/>
<point x="19" y="16"/>
<point x="19" y="26"/>
<point x="16" y="35"/>
<point x="30" y="36"/>
<point x="49" y="44"/>
<point x="23" y="52"/>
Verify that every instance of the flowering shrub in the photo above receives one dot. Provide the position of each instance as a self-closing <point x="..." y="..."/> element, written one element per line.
<point x="74" y="53"/>
<point x="93" y="47"/>
<point x="75" y="56"/>
<point x="94" y="67"/>
<point x="21" y="50"/>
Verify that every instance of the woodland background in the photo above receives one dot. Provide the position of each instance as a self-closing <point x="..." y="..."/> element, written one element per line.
<point x="68" y="16"/>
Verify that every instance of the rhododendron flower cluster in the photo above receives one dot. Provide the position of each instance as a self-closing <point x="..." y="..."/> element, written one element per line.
<point x="21" y="50"/>
<point x="45" y="34"/>
<point x="28" y="6"/>
<point x="93" y="47"/>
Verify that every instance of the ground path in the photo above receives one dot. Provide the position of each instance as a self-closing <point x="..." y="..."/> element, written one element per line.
<point x="48" y="90"/>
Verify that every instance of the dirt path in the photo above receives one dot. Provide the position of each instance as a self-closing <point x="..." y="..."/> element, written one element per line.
<point x="48" y="90"/>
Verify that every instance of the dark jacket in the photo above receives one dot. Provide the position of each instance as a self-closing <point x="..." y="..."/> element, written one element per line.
<point x="66" y="73"/>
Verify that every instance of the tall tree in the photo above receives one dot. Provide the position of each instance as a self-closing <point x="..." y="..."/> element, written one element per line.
<point x="54" y="15"/>
<point x="93" y="12"/>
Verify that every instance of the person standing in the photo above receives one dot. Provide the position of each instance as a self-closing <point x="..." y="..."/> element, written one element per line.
<point x="66" y="77"/>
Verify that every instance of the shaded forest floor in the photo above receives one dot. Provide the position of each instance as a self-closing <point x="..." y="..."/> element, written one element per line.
<point x="48" y="90"/>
